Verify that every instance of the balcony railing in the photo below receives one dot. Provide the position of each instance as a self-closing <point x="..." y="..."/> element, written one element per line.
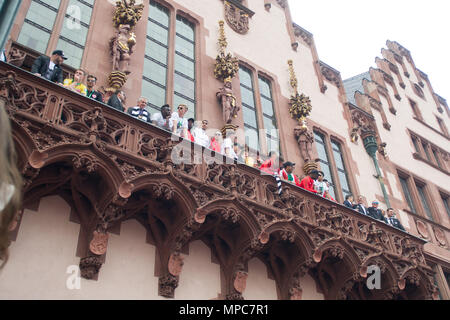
<point x="112" y="167"/>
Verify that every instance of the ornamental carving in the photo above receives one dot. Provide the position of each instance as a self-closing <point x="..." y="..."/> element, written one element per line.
<point x="127" y="12"/>
<point x="240" y="281"/>
<point x="225" y="69"/>
<point x="167" y="285"/>
<point x="237" y="19"/>
<point x="440" y="236"/>
<point x="99" y="243"/>
<point x="302" y="33"/>
<point x="90" y="266"/>
<point x="330" y="74"/>
<point x="299" y="104"/>
<point x="175" y="264"/>
<point x="125" y="18"/>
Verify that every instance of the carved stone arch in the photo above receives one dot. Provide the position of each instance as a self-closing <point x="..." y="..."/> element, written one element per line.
<point x="415" y="284"/>
<point x="338" y="247"/>
<point x="281" y="239"/>
<point x="232" y="208"/>
<point x="168" y="186"/>
<point x="104" y="165"/>
<point x="389" y="275"/>
<point x="340" y="262"/>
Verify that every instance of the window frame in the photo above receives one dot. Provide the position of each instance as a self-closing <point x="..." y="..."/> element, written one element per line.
<point x="55" y="32"/>
<point x="170" y="93"/>
<point x="415" y="183"/>
<point x="257" y="76"/>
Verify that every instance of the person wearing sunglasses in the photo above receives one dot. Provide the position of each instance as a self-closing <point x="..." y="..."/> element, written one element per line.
<point x="179" y="123"/>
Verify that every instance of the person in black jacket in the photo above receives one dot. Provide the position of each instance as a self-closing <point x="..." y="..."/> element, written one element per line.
<point x="349" y="201"/>
<point x="375" y="213"/>
<point x="50" y="67"/>
<point x="91" y="92"/>
<point x="392" y="220"/>
<point x="116" y="100"/>
<point x="361" y="207"/>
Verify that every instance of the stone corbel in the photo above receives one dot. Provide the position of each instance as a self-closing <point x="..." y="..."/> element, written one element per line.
<point x="169" y="282"/>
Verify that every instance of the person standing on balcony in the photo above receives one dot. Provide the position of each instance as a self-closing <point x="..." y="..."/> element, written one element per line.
<point x="180" y="124"/>
<point x="76" y="84"/>
<point x="349" y="201"/>
<point x="91" y="92"/>
<point x="361" y="207"/>
<point x="270" y="165"/>
<point x="190" y="127"/>
<point x="216" y="142"/>
<point x="307" y="182"/>
<point x="286" y="173"/>
<point x="374" y="212"/>
<point x="139" y="111"/>
<point x="320" y="184"/>
<point x="116" y="100"/>
<point x="162" y="119"/>
<point x="200" y="135"/>
<point x="392" y="220"/>
<point x="50" y="67"/>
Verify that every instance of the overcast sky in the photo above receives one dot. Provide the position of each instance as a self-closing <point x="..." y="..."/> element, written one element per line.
<point x="349" y="34"/>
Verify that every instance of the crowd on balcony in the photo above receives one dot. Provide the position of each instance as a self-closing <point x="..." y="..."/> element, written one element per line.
<point x="196" y="131"/>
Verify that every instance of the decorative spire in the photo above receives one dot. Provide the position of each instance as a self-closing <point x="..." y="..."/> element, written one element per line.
<point x="222" y="38"/>
<point x="293" y="81"/>
<point x="300" y="104"/>
<point x="226" y="65"/>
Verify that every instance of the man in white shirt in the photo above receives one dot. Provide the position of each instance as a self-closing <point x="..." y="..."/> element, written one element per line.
<point x="162" y="119"/>
<point x="200" y="135"/>
<point x="180" y="125"/>
<point x="227" y="146"/>
<point x="320" y="185"/>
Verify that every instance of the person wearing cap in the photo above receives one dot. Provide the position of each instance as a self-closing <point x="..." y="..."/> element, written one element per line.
<point x="76" y="84"/>
<point x="307" y="182"/>
<point x="374" y="212"/>
<point x="50" y="67"/>
<point x="286" y="173"/>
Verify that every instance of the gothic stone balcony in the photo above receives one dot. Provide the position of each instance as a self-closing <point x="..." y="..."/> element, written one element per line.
<point x="110" y="167"/>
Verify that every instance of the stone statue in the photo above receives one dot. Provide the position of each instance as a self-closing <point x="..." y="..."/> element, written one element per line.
<point x="121" y="49"/>
<point x="228" y="102"/>
<point x="305" y="139"/>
